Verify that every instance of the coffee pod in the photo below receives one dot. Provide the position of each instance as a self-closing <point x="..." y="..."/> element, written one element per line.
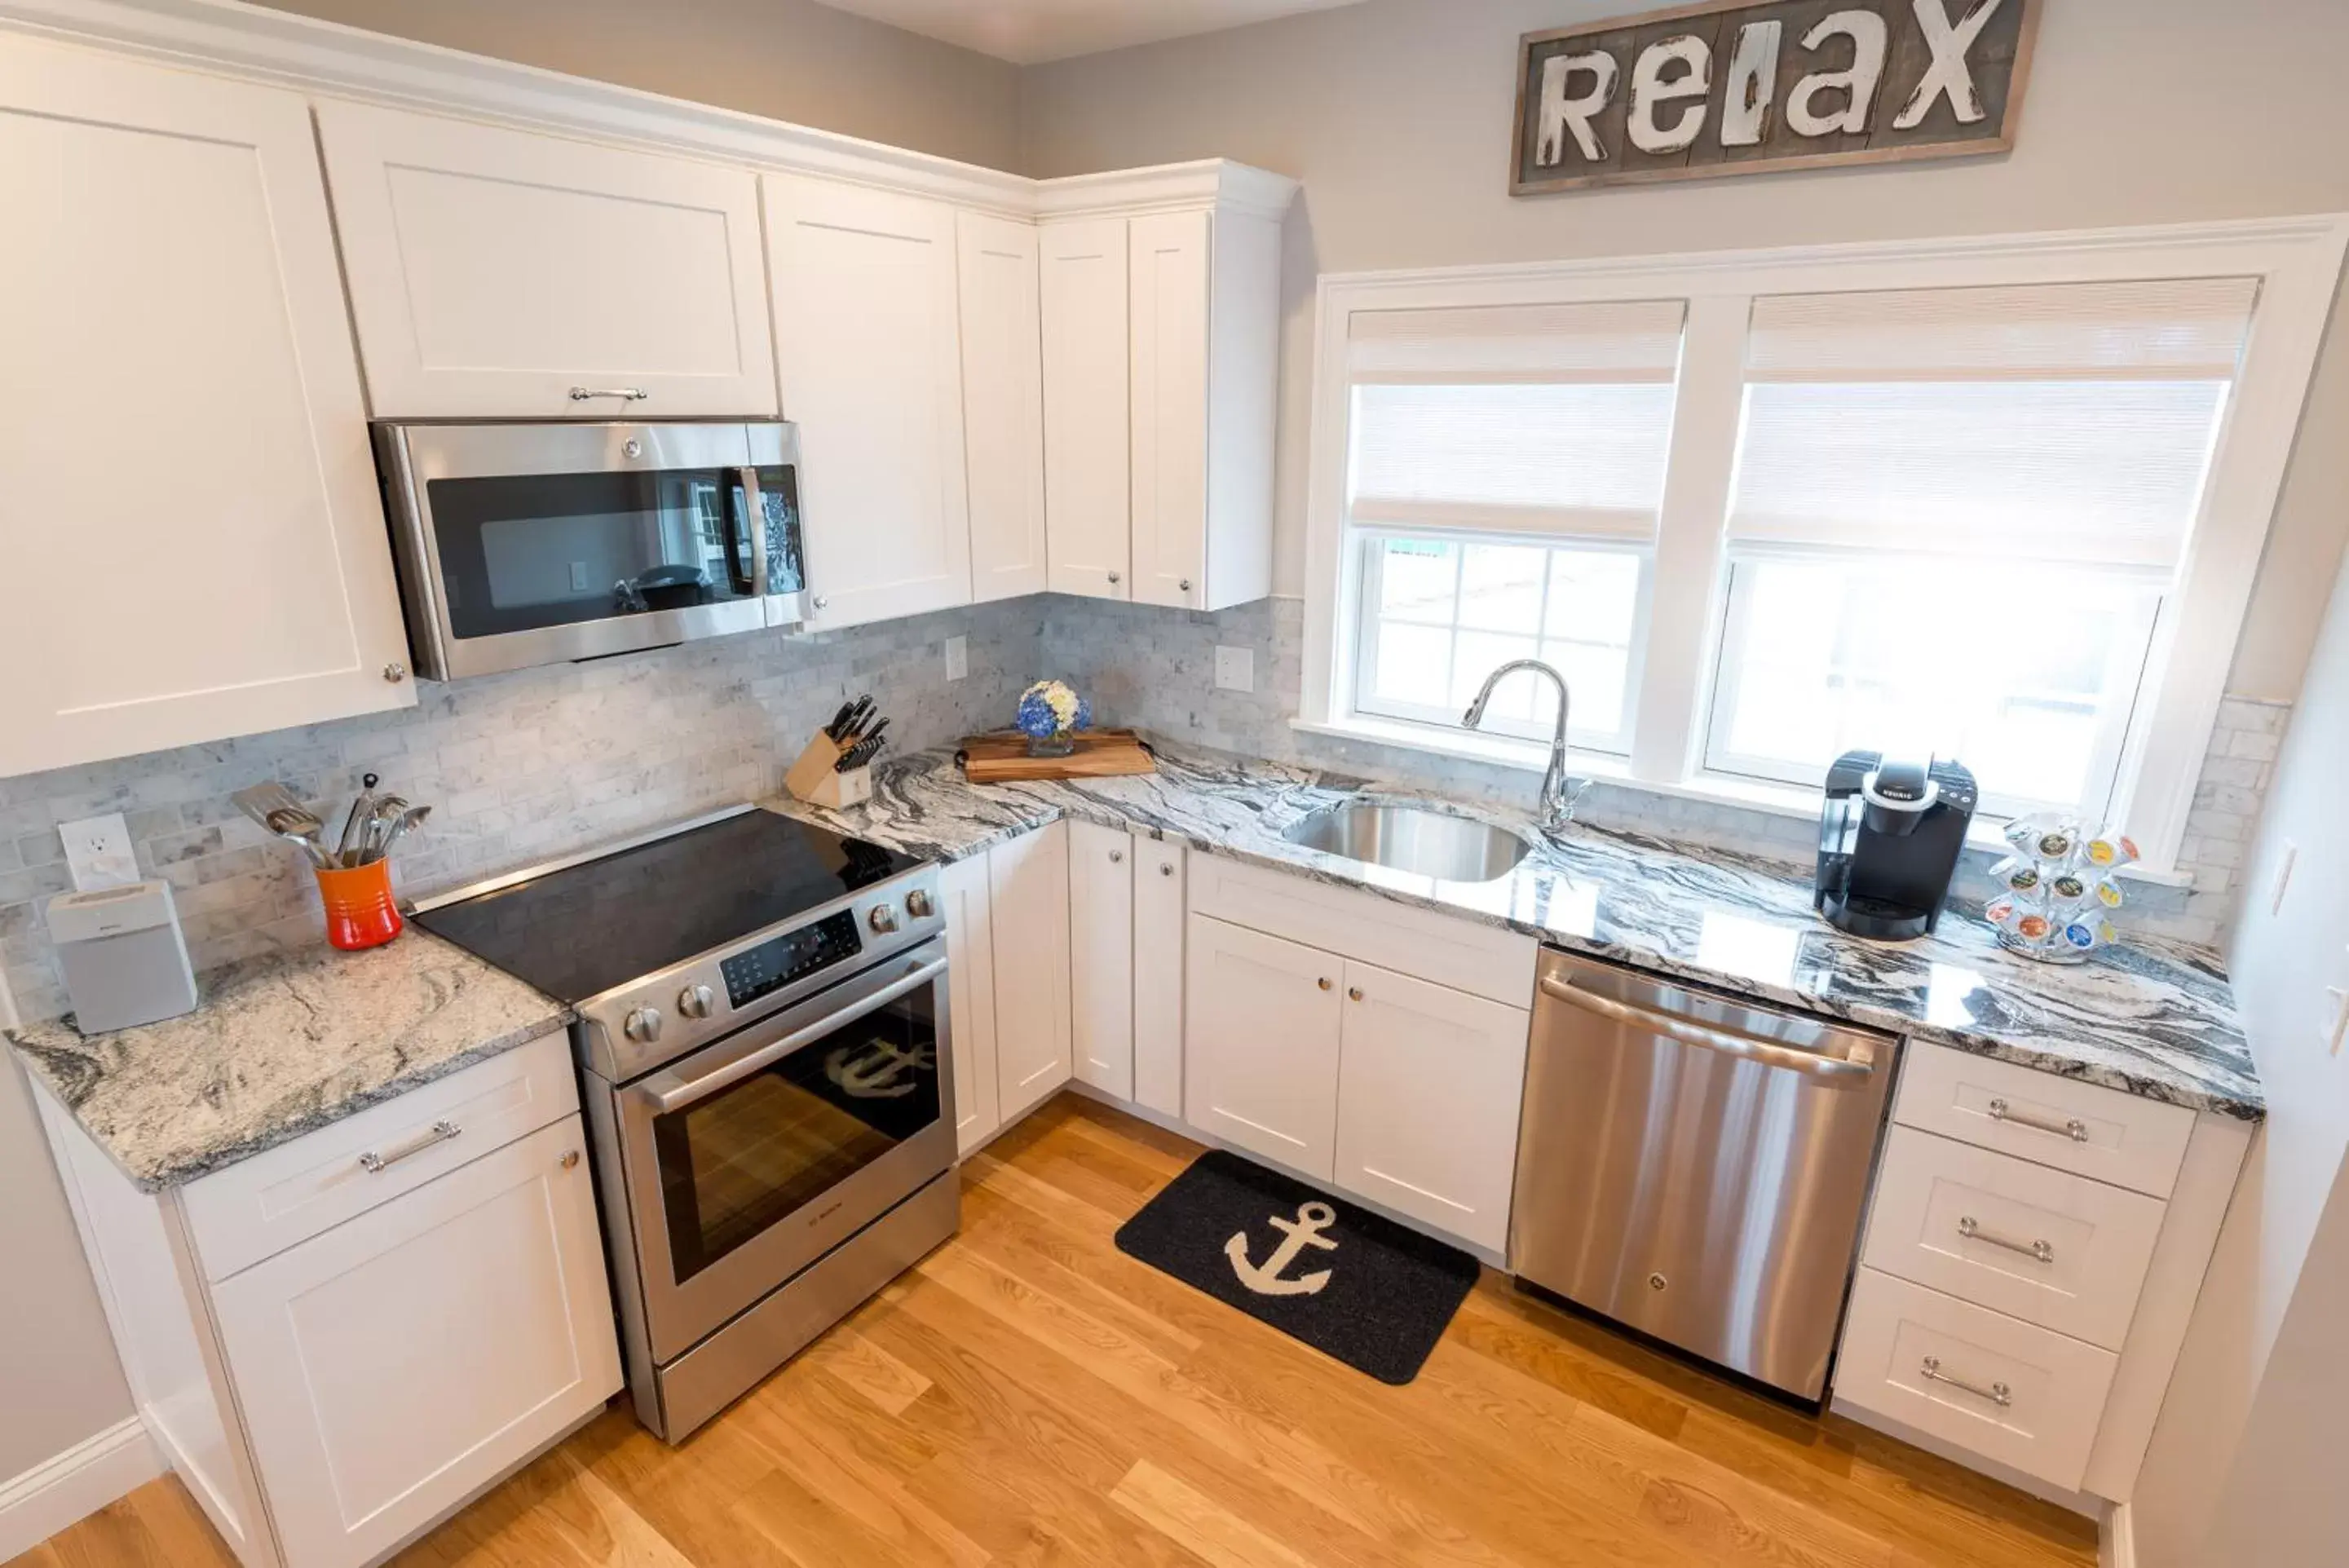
<point x="2068" y="887"/>
<point x="2108" y="894"/>
<point x="2079" y="936"/>
<point x="1997" y="911"/>
<point x="2054" y="845"/>
<point x="2032" y="927"/>
<point x="2023" y="879"/>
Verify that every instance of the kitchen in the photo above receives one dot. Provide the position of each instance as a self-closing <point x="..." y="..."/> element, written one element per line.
<point x="960" y="356"/>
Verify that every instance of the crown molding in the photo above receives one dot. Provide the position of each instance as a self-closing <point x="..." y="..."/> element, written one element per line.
<point x="1168" y="187"/>
<point x="318" y="58"/>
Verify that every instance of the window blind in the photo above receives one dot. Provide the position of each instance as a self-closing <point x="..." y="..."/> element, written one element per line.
<point x="2069" y="422"/>
<point x="1550" y="419"/>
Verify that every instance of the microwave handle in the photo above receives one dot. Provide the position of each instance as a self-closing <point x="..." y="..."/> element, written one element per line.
<point x="744" y="515"/>
<point x="677" y="1097"/>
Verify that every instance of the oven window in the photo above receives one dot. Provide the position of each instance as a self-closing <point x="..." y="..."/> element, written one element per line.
<point x="751" y="1155"/>
<point x="521" y="553"/>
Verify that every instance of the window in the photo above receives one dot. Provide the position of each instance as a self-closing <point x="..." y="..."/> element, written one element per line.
<point x="1504" y="472"/>
<point x="1998" y="500"/>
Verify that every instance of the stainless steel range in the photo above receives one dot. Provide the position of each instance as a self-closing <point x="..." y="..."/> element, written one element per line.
<point x="766" y="1066"/>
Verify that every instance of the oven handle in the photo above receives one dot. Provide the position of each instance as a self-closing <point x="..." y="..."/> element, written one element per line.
<point x="678" y="1096"/>
<point x="754" y="521"/>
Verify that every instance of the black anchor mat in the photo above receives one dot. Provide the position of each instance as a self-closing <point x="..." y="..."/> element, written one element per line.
<point x="1387" y="1293"/>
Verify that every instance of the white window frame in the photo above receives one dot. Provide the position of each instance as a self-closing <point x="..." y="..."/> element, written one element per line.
<point x="2297" y="260"/>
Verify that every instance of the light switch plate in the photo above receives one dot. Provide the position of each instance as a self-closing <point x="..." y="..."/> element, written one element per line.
<point x="98" y="854"/>
<point x="958" y="658"/>
<point x="1236" y="669"/>
<point x="578" y="576"/>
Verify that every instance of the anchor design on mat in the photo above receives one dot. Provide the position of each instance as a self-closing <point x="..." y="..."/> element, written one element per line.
<point x="1297" y="1234"/>
<point x="878" y="1069"/>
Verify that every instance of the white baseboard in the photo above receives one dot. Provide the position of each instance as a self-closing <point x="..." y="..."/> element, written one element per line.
<point x="2116" y="1541"/>
<point x="72" y="1485"/>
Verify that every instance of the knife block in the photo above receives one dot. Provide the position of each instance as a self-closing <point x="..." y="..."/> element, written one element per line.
<point x="814" y="777"/>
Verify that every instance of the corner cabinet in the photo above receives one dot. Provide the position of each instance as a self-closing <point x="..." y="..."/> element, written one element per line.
<point x="868" y="350"/>
<point x="180" y="261"/>
<point x="1162" y="329"/>
<point x="1003" y="404"/>
<point x="511" y="274"/>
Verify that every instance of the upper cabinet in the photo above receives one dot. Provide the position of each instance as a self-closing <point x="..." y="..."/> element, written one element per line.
<point x="868" y="341"/>
<point x="175" y="288"/>
<point x="1161" y="362"/>
<point x="1003" y="404"/>
<point x="511" y="273"/>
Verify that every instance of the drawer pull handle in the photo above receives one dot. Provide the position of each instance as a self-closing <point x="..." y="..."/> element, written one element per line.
<point x="1998" y="1394"/>
<point x="1971" y="1229"/>
<point x="625" y="394"/>
<point x="2072" y="1128"/>
<point x="375" y="1164"/>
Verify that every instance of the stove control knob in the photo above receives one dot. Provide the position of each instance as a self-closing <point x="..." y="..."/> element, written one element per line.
<point x="694" y="1001"/>
<point x="883" y="917"/>
<point x="643" y="1026"/>
<point x="918" y="905"/>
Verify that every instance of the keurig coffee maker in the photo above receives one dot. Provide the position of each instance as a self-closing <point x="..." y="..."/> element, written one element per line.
<point x="1888" y="841"/>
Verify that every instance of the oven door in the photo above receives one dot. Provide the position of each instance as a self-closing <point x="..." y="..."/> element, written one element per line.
<point x="750" y="1158"/>
<point x="532" y="543"/>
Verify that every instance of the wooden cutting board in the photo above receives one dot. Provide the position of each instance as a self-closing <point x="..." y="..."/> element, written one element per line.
<point x="1002" y="757"/>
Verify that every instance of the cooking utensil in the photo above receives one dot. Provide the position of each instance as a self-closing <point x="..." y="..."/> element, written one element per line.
<point x="409" y="819"/>
<point x="362" y="812"/>
<point x="857" y="755"/>
<point x="377" y="831"/>
<point x="838" y="725"/>
<point x="856" y="719"/>
<point x="261" y="799"/>
<point x="297" y="825"/>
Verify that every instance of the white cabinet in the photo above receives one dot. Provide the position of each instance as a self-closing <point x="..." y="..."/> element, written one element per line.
<point x="172" y="285"/>
<point x="1087" y="479"/>
<point x="1159" y="876"/>
<point x="1260" y="1063"/>
<point x="1003" y="404"/>
<point x="1430" y="1081"/>
<point x="1161" y="361"/>
<point x="970" y="999"/>
<point x="1028" y="888"/>
<point x="1101" y="956"/>
<point x="502" y="273"/>
<point x="869" y="354"/>
<point x="388" y="1367"/>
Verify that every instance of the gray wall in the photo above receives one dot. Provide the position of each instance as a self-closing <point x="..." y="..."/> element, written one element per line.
<point x="1395" y="114"/>
<point x="788" y="60"/>
<point x="2246" y="1460"/>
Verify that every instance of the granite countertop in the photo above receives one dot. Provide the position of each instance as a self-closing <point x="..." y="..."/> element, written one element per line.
<point x="281" y="1045"/>
<point x="2149" y="1017"/>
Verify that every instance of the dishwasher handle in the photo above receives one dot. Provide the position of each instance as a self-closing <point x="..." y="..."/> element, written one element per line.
<point x="1861" y="1063"/>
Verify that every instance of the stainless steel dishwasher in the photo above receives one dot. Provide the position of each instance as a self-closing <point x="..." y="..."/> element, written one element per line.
<point x="1695" y="1166"/>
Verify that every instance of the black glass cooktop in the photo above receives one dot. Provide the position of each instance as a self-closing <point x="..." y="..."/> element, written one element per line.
<point x="586" y="928"/>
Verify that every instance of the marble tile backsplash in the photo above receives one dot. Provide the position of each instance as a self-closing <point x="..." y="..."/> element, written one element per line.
<point x="518" y="768"/>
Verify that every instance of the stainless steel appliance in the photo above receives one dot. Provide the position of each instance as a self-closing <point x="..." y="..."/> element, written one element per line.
<point x="767" y="1072"/>
<point x="1695" y="1165"/>
<point x="523" y="544"/>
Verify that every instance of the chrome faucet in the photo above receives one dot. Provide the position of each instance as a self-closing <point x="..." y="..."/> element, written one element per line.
<point x="1557" y="801"/>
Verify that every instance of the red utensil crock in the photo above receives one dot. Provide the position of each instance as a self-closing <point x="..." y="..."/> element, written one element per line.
<point x="359" y="910"/>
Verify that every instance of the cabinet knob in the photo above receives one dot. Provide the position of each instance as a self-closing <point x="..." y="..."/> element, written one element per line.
<point x="1115" y="856"/>
<point x="823" y="601"/>
<point x="1185" y="585"/>
<point x="1167" y="868"/>
<point x="395" y="673"/>
<point x="1323" y="983"/>
<point x="570" y="1159"/>
<point x="1112" y="577"/>
<point x="1354" y="993"/>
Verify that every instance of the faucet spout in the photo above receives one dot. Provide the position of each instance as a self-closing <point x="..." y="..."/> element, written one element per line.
<point x="1557" y="801"/>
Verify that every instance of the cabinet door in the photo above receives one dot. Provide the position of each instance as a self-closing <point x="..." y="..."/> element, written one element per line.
<point x="193" y="533"/>
<point x="1101" y="974"/>
<point x="1003" y="404"/>
<point x="970" y="993"/>
<point x="1261" y="1043"/>
<point x="1028" y="880"/>
<point x="1170" y="408"/>
<point x="395" y="1365"/>
<point x="870" y="359"/>
<point x="1429" y="1083"/>
<point x="502" y="273"/>
<point x="1158" y="880"/>
<point x="1087" y="480"/>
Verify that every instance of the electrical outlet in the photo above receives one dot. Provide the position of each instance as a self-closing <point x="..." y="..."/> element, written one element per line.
<point x="578" y="576"/>
<point x="98" y="852"/>
<point x="2284" y="877"/>
<point x="1236" y="669"/>
<point x="958" y="658"/>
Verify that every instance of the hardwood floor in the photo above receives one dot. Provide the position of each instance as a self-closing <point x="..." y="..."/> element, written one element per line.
<point x="1032" y="1396"/>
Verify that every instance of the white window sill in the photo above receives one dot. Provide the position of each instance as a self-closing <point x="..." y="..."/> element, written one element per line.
<point x="1778" y="800"/>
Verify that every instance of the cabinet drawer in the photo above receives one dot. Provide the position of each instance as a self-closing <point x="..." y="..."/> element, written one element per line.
<point x="2043" y="1118"/>
<point x="1483" y="960"/>
<point x="260" y="1207"/>
<point x="2059" y="1251"/>
<point x="2021" y="1395"/>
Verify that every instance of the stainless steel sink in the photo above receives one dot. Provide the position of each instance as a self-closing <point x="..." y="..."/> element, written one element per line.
<point x="1405" y="838"/>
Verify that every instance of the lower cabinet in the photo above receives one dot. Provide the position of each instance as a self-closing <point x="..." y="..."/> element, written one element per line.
<point x="970" y="1000"/>
<point x="1261" y="1027"/>
<point x="1101" y="956"/>
<point x="1161" y="871"/>
<point x="1028" y="892"/>
<point x="388" y="1366"/>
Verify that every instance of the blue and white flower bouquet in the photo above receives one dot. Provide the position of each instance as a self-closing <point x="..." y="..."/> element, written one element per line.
<point x="1049" y="712"/>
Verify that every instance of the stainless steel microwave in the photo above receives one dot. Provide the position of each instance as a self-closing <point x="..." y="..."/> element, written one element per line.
<point x="523" y="544"/>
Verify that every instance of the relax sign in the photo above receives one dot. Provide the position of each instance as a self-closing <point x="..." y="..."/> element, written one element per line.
<point x="1740" y="88"/>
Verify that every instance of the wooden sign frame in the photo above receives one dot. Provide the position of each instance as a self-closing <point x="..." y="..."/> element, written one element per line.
<point x="1909" y="56"/>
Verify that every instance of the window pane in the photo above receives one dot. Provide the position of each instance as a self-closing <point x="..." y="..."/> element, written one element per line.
<point x="1593" y="596"/>
<point x="1522" y="698"/>
<point x="1417" y="578"/>
<point x="1414" y="665"/>
<point x="2028" y="683"/>
<point x="1501" y="588"/>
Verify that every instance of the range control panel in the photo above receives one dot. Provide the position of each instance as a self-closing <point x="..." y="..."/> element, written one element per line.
<point x="756" y="972"/>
